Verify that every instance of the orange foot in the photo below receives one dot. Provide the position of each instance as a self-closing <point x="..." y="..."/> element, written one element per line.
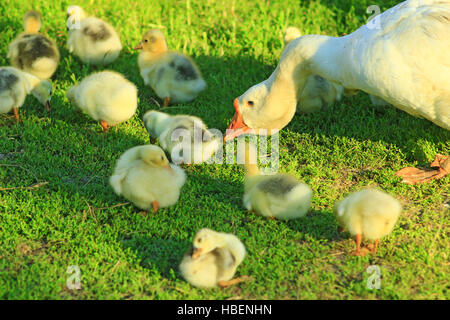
<point x="224" y="284"/>
<point x="441" y="165"/>
<point x="104" y="125"/>
<point x="373" y="247"/>
<point x="361" y="252"/>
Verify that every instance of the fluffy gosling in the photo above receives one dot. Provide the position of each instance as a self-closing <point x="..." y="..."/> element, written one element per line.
<point x="144" y="176"/>
<point x="173" y="76"/>
<point x="15" y="85"/>
<point x="32" y="51"/>
<point x="198" y="144"/>
<point x="370" y="214"/>
<point x="106" y="96"/>
<point x="213" y="260"/>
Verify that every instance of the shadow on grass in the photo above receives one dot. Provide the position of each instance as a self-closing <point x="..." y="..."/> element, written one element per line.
<point x="320" y="225"/>
<point x="163" y="254"/>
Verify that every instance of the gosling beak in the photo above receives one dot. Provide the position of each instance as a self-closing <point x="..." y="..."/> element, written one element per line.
<point x="139" y="46"/>
<point x="237" y="125"/>
<point x="197" y="253"/>
<point x="47" y="105"/>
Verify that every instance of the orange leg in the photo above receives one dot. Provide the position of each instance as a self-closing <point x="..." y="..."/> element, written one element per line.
<point x="166" y="101"/>
<point x="104" y="125"/>
<point x="16" y="114"/>
<point x="375" y="246"/>
<point x="358" y="245"/>
<point x="224" y="284"/>
<point x="155" y="205"/>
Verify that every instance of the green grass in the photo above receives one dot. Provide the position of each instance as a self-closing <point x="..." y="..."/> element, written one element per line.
<point x="124" y="253"/>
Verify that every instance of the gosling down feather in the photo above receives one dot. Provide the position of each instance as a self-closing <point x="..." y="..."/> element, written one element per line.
<point x="173" y="76"/>
<point x="197" y="143"/>
<point x="106" y="96"/>
<point x="278" y="196"/>
<point x="213" y="260"/>
<point x="15" y="85"/>
<point x="32" y="51"/>
<point x="91" y="39"/>
<point x="144" y="176"/>
<point x="370" y="214"/>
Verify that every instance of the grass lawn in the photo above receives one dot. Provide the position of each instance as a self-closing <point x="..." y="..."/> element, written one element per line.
<point x="71" y="216"/>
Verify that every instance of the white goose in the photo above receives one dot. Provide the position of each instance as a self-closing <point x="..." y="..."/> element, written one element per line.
<point x="405" y="62"/>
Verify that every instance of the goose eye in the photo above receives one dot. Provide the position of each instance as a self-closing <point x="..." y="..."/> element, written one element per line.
<point x="250" y="103"/>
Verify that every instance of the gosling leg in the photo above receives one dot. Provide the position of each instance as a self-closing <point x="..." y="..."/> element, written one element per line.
<point x="166" y="101"/>
<point x="375" y="246"/>
<point x="16" y="114"/>
<point x="155" y="205"/>
<point x="358" y="246"/>
<point x="224" y="284"/>
<point x="104" y="125"/>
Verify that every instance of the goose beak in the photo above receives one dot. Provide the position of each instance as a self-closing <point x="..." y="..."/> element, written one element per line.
<point x="237" y="125"/>
<point x="197" y="253"/>
<point x="47" y="105"/>
<point x="139" y="46"/>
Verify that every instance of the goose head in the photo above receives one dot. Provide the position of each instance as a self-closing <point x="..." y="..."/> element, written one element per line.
<point x="155" y="157"/>
<point x="74" y="15"/>
<point x="155" y="122"/>
<point x="269" y="106"/>
<point x="263" y="109"/>
<point x="153" y="42"/>
<point x="205" y="241"/>
<point x="43" y="92"/>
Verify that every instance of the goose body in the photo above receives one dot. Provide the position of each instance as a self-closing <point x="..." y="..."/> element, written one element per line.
<point x="144" y="176"/>
<point x="15" y="85"/>
<point x="197" y="143"/>
<point x="106" y="96"/>
<point x="93" y="40"/>
<point x="213" y="259"/>
<point x="174" y="77"/>
<point x="404" y="62"/>
<point x="278" y="196"/>
<point x="369" y="214"/>
<point x="32" y="51"/>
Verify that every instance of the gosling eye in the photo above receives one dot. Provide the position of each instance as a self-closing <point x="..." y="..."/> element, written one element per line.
<point x="199" y="240"/>
<point x="162" y="158"/>
<point x="145" y="40"/>
<point x="250" y="103"/>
